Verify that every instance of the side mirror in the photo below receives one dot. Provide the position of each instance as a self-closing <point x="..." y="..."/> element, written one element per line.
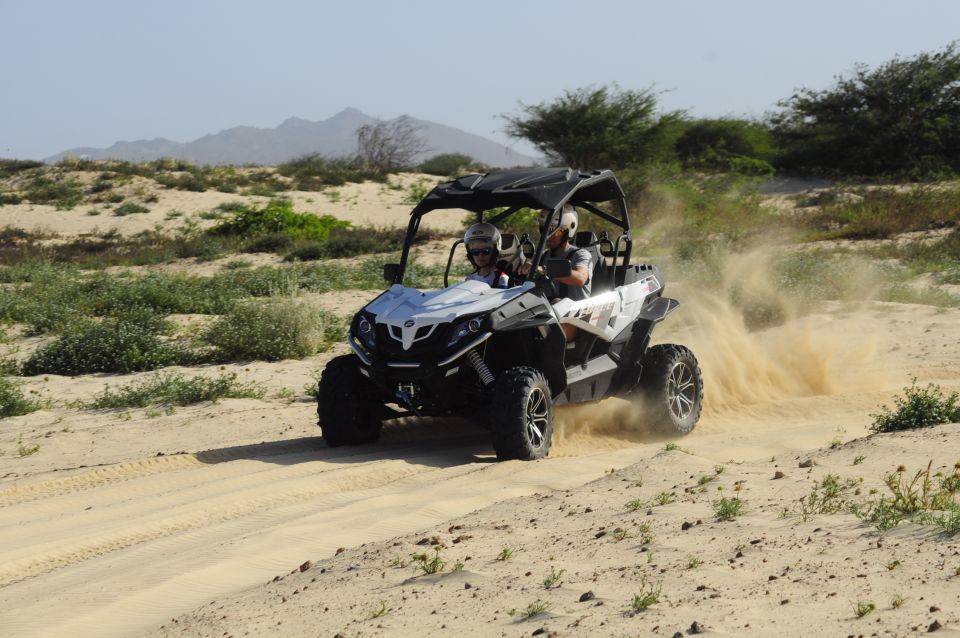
<point x="557" y="268"/>
<point x="390" y="272"/>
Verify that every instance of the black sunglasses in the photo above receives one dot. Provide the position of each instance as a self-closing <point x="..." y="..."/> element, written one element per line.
<point x="480" y="251"/>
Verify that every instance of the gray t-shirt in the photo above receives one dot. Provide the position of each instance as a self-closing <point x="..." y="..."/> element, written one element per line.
<point x="579" y="258"/>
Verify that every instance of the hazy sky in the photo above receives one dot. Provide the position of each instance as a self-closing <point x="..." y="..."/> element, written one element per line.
<point x="92" y="72"/>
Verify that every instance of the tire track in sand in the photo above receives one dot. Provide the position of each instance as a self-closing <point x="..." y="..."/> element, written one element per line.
<point x="265" y="496"/>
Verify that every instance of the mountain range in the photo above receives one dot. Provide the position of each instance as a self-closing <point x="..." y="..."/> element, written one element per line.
<point x="335" y="136"/>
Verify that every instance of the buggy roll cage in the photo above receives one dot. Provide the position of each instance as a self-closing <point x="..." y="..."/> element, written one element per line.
<point x="537" y="188"/>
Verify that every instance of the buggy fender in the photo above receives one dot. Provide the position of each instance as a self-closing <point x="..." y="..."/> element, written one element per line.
<point x="628" y="347"/>
<point x="658" y="309"/>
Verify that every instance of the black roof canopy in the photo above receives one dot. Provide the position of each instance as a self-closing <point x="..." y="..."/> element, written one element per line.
<point x="531" y="187"/>
<point x="537" y="188"/>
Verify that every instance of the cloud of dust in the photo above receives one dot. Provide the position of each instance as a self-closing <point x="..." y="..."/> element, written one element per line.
<point x="757" y="341"/>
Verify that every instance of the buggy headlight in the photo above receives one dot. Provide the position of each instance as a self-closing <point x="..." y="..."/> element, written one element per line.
<point x="366" y="333"/>
<point x="464" y="328"/>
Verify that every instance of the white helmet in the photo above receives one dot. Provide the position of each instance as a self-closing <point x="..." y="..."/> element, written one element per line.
<point x="483" y="233"/>
<point x="567" y="220"/>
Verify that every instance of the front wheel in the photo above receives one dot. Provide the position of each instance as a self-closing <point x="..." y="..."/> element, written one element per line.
<point x="671" y="386"/>
<point x="346" y="407"/>
<point x="521" y="415"/>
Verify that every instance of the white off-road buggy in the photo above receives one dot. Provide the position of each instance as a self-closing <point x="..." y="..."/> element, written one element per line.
<point x="499" y="355"/>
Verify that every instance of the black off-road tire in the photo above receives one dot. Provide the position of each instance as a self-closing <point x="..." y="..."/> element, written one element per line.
<point x="346" y="406"/>
<point x="521" y="415"/>
<point x="671" y="389"/>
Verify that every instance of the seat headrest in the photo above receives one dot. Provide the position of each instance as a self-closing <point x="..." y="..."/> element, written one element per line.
<point x="508" y="244"/>
<point x="585" y="238"/>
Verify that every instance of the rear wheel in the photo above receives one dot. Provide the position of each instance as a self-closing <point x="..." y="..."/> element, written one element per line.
<point x="671" y="386"/>
<point x="521" y="415"/>
<point x="347" y="408"/>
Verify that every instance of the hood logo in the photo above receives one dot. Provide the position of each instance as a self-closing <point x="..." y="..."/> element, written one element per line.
<point x="408" y="323"/>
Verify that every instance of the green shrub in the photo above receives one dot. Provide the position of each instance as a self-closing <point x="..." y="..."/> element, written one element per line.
<point x="269" y="243"/>
<point x="10" y="198"/>
<point x="306" y="251"/>
<point x="349" y="242"/>
<point x="62" y="193"/>
<point x="192" y="181"/>
<point x="881" y="212"/>
<point x="12" y="401"/>
<point x="727" y="509"/>
<point x="725" y="145"/>
<point x="10" y="167"/>
<point x="915" y="499"/>
<point x="314" y="171"/>
<point x="130" y="208"/>
<point x="127" y="343"/>
<point x="278" y="216"/>
<point x="448" y="164"/>
<point x="172" y="388"/>
<point x="919" y="407"/>
<point x="281" y="329"/>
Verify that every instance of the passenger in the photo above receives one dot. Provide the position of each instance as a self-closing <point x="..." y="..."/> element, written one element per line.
<point x="483" y="244"/>
<point x="559" y="236"/>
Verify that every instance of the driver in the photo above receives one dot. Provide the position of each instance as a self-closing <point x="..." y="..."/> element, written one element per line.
<point x="559" y="235"/>
<point x="483" y="244"/>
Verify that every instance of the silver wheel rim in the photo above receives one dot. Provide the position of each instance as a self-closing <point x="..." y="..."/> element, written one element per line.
<point x="537" y="419"/>
<point x="681" y="390"/>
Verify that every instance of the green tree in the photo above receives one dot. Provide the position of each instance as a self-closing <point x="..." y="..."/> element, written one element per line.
<point x="593" y="128"/>
<point x="725" y="144"/>
<point x="902" y="118"/>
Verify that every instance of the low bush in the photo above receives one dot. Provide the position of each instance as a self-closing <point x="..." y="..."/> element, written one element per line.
<point x="727" y="509"/>
<point x="269" y="243"/>
<point x="62" y="193"/>
<point x="878" y="213"/>
<point x="49" y="296"/>
<point x="278" y="216"/>
<point x="112" y="249"/>
<point x="349" y="242"/>
<point x="941" y="256"/>
<point x="917" y="500"/>
<point x="10" y="167"/>
<point x="281" y="329"/>
<point x="173" y="388"/>
<point x="449" y="164"/>
<point x="306" y="251"/>
<point x="12" y="401"/>
<point x="130" y="208"/>
<point x="315" y="171"/>
<point x="128" y="343"/>
<point x="919" y="407"/>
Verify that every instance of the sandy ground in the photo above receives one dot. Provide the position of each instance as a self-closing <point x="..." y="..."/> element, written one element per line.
<point x="133" y="522"/>
<point x="122" y="524"/>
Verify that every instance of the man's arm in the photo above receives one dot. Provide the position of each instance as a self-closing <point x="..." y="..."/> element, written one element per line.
<point x="579" y="277"/>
